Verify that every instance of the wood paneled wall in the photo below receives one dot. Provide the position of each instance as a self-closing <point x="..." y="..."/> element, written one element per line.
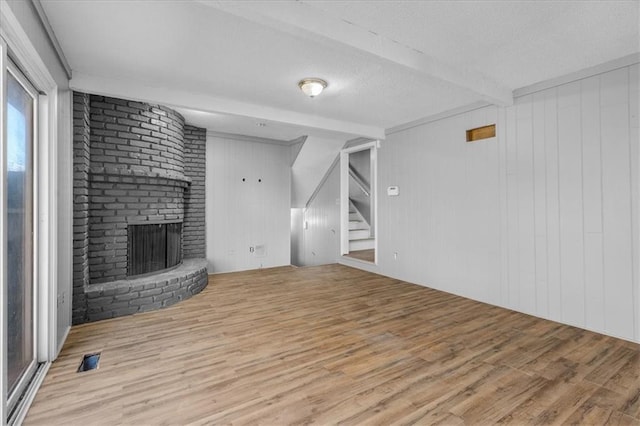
<point x="250" y="213"/>
<point x="570" y="157"/>
<point x="542" y="219"/>
<point x="319" y="242"/>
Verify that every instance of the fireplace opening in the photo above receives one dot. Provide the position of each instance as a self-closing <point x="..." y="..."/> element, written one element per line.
<point x="153" y="247"/>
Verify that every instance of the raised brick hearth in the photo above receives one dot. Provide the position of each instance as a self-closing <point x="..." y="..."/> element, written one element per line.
<point x="129" y="168"/>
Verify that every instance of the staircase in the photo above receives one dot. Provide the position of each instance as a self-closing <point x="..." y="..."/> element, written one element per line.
<point x="359" y="231"/>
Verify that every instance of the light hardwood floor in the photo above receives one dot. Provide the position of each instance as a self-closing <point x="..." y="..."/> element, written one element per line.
<point x="366" y="255"/>
<point x="333" y="344"/>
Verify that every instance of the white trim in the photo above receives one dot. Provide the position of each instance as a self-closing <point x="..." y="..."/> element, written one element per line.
<point x="23" y="406"/>
<point x="362" y="265"/>
<point x="47" y="234"/>
<point x="61" y="341"/>
<point x="435" y="117"/>
<point x="344" y="193"/>
<point x="374" y="198"/>
<point x="25" y="380"/>
<point x="3" y="237"/>
<point x="362" y="147"/>
<point x="247" y="138"/>
<point x="344" y="202"/>
<point x="52" y="36"/>
<point x="625" y="61"/>
<point x="21" y="49"/>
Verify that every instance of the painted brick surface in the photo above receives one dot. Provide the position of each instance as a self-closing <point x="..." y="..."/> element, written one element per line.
<point x="136" y="136"/>
<point x="81" y="164"/>
<point x="193" y="230"/>
<point x="116" y="201"/>
<point x="133" y="163"/>
<point x="126" y="297"/>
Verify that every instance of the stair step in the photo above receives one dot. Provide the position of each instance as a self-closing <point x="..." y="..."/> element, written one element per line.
<point x="357" y="224"/>
<point x="364" y="244"/>
<point x="359" y="234"/>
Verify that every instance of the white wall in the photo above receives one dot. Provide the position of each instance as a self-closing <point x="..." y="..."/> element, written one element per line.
<point x="542" y="219"/>
<point x="246" y="214"/>
<point x="320" y="241"/>
<point x="311" y="165"/>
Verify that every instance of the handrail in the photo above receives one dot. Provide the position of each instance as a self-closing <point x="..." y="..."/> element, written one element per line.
<point x="361" y="184"/>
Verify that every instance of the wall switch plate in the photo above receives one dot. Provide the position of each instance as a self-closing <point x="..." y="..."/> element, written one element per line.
<point x="393" y="191"/>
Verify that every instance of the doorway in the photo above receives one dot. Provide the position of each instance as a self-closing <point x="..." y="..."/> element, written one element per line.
<point x="20" y="102"/>
<point x="358" y="202"/>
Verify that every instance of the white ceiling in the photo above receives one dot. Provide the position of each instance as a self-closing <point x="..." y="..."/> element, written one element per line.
<point x="515" y="42"/>
<point x="387" y="63"/>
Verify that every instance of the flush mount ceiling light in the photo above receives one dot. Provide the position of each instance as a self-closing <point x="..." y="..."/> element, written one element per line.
<point x="312" y="87"/>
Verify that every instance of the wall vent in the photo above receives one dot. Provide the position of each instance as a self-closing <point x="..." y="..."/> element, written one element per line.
<point x="484" y="132"/>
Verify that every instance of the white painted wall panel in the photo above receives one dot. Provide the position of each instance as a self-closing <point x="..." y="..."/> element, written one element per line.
<point x="540" y="203"/>
<point x="319" y="242"/>
<point x="242" y="214"/>
<point x="616" y="201"/>
<point x="525" y="204"/>
<point x="554" y="297"/>
<point x="592" y="192"/>
<point x="634" y="139"/>
<point x="571" y="206"/>
<point x="542" y="219"/>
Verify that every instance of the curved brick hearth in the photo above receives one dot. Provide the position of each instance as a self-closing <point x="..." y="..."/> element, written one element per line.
<point x="134" y="163"/>
<point x="126" y="297"/>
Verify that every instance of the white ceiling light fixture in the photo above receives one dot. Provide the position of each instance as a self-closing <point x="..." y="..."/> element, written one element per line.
<point x="312" y="87"/>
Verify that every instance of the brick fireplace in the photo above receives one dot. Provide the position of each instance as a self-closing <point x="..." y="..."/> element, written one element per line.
<point x="136" y="166"/>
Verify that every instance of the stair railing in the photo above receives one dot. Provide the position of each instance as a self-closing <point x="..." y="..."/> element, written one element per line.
<point x="361" y="184"/>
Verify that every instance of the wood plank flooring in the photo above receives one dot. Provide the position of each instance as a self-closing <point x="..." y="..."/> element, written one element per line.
<point x="332" y="344"/>
<point x="366" y="255"/>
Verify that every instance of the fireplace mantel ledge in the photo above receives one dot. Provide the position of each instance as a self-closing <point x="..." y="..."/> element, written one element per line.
<point x="157" y="174"/>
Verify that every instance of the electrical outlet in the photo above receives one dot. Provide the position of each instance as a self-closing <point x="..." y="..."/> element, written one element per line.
<point x="395" y="255"/>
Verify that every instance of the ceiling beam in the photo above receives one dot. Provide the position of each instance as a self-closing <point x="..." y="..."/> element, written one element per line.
<point x="305" y="20"/>
<point x="206" y="103"/>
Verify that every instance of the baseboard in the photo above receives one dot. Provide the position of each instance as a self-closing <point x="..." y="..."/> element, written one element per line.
<point x="20" y="413"/>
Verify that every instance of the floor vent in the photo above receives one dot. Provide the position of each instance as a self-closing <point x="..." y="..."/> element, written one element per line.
<point x="89" y="362"/>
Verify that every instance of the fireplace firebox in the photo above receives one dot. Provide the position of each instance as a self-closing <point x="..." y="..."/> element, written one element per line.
<point x="153" y="247"/>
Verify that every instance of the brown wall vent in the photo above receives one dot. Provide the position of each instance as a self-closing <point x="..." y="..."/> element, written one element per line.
<point x="483" y="132"/>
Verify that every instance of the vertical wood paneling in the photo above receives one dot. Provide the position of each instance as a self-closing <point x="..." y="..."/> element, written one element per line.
<point x="526" y="208"/>
<point x="503" y="298"/>
<point x="634" y="140"/>
<point x="616" y="202"/>
<point x="571" y="206"/>
<point x="320" y="241"/>
<point x="540" y="203"/>
<point x="592" y="192"/>
<point x="554" y="296"/>
<point x="513" y="276"/>
<point x="550" y="212"/>
<point x="243" y="214"/>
